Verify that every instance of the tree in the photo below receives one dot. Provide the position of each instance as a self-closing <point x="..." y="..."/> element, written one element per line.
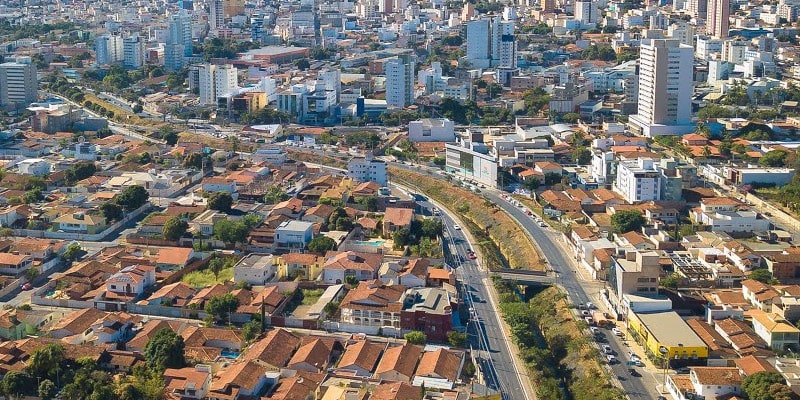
<point x="164" y="350"/>
<point x="428" y="227"/>
<point x="571" y="118"/>
<point x="774" y="158"/>
<point x="16" y="383"/>
<point x="46" y="361"/>
<point x="415" y="337"/>
<point x="762" y="275"/>
<point x="168" y="135"/>
<point x="174" y="228"/>
<point x="220" y="201"/>
<point x="670" y="281"/>
<point x="80" y="171"/>
<point x="339" y="220"/>
<point x="32" y="196"/>
<point x="302" y="64"/>
<point x="275" y="195"/>
<point x="456" y="338"/>
<point x="251" y="330"/>
<point x="531" y="183"/>
<point x="230" y="231"/>
<point x="582" y="155"/>
<point x="194" y="160"/>
<point x="132" y="197"/>
<point x="758" y="386"/>
<point x="321" y="244"/>
<point x="219" y="307"/>
<point x="370" y="203"/>
<point x="111" y="211"/>
<point x="47" y="389"/>
<point x="72" y="252"/>
<point x="31" y="273"/>
<point x="627" y="221"/>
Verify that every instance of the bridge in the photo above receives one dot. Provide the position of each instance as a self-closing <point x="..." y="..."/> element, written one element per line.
<point x="525" y="276"/>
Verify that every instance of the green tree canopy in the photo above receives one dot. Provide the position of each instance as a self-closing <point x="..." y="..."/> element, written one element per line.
<point x="219" y="307"/>
<point x="774" y="158"/>
<point x="165" y="350"/>
<point x="321" y="244"/>
<point x="415" y="337"/>
<point x="220" y="201"/>
<point x="111" y="211"/>
<point x="174" y="228"/>
<point x="275" y="195"/>
<point x="230" y="231"/>
<point x="762" y="275"/>
<point x="765" y="386"/>
<point x="627" y="221"/>
<point x="132" y="197"/>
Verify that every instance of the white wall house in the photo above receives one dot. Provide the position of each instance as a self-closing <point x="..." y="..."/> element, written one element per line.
<point x="255" y="269"/>
<point x="431" y="130"/>
<point x="366" y="169"/>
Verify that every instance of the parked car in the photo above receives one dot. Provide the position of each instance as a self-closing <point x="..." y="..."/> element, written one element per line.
<point x="594" y="330"/>
<point x="607" y="349"/>
<point x="589" y="320"/>
<point x="633" y="372"/>
<point x="456" y="227"/>
<point x="611" y="359"/>
<point x="590" y="305"/>
<point x="617" y="332"/>
<point x="471" y="255"/>
<point x="586" y="313"/>
<point x="27" y="286"/>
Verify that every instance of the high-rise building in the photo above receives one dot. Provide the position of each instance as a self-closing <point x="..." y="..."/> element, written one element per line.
<point x="638" y="180"/>
<point x="718" y="20"/>
<point x="133" y="52"/>
<point x="548" y="5"/>
<point x="586" y="12"/>
<point x="233" y="8"/>
<point x="109" y="49"/>
<point x="499" y="50"/>
<point x="18" y="84"/>
<point x="179" y="41"/>
<point x="216" y="18"/>
<point x="698" y="8"/>
<point x="665" y="88"/>
<point x="215" y="81"/>
<point x="400" y="80"/>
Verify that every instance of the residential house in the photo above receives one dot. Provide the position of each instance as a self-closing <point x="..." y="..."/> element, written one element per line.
<point x="318" y="214"/>
<point x="242" y="378"/>
<point x="80" y="222"/>
<point x="438" y="277"/>
<point x="372" y="303"/>
<point x="15" y="264"/>
<point x="149" y="330"/>
<point x="429" y="310"/>
<point x="255" y="269"/>
<point x="302" y="385"/>
<point x="724" y="214"/>
<point x="313" y="356"/>
<point x="176" y="294"/>
<point x="741" y="255"/>
<point x="751" y="364"/>
<point x="396" y="391"/>
<point x="174" y="258"/>
<point x="291" y="208"/>
<point x="785" y="266"/>
<point x="395" y="219"/>
<point x="130" y="282"/>
<point x="217" y="338"/>
<point x="714" y="382"/>
<point x="274" y="350"/>
<point x="440" y="368"/>
<point x="204" y="222"/>
<point x="341" y="264"/>
<point x="293" y="235"/>
<point x="361" y="358"/>
<point x="409" y="273"/>
<point x="219" y="184"/>
<point x="307" y="266"/>
<point x="189" y="382"/>
<point x="206" y="293"/>
<point x="759" y="294"/>
<point x="776" y="331"/>
<point x="398" y="363"/>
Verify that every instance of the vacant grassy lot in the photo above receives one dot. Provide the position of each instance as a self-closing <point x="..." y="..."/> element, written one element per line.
<point x="205" y="278"/>
<point x="486" y="220"/>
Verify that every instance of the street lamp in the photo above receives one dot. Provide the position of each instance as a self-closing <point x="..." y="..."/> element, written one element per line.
<point x="664" y="354"/>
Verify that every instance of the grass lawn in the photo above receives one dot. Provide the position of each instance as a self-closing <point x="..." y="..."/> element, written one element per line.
<point x="205" y="278"/>
<point x="310" y="296"/>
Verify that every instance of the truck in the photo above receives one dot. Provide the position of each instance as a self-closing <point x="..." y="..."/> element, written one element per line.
<point x="600" y="319"/>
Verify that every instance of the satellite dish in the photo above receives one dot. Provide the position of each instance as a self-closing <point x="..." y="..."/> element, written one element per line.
<point x="81" y="139"/>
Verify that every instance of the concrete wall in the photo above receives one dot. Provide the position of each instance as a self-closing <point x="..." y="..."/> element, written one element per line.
<point x="80" y="236"/>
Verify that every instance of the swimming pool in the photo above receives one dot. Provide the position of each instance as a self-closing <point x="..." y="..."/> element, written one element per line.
<point x="232" y="354"/>
<point x="370" y="243"/>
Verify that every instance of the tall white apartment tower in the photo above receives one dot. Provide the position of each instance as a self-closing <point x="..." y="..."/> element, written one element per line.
<point x="109" y="49"/>
<point x="501" y="47"/>
<point x="133" y="52"/>
<point x="665" y="88"/>
<point x="216" y="18"/>
<point x="586" y="12"/>
<point x="18" y="84"/>
<point x="179" y="41"/>
<point x="400" y="81"/>
<point x="215" y="81"/>
<point x="504" y="43"/>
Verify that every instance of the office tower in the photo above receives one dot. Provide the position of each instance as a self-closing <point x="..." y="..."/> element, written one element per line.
<point x="400" y="81"/>
<point x="665" y="88"/>
<point x="586" y="12"/>
<point x="18" y="84"/>
<point x="216" y="18"/>
<point x="499" y="50"/>
<point x="109" y="49"/>
<point x="215" y="81"/>
<point x="718" y="21"/>
<point x="179" y="41"/>
<point x="548" y="5"/>
<point x="133" y="52"/>
<point x="682" y="31"/>
<point x="186" y="4"/>
<point x="233" y="8"/>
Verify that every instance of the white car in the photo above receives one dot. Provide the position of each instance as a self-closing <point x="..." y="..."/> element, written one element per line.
<point x="611" y="359"/>
<point x="607" y="349"/>
<point x="616" y="331"/>
<point x="456" y="227"/>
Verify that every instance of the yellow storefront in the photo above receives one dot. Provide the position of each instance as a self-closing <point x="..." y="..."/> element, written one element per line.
<point x="665" y="333"/>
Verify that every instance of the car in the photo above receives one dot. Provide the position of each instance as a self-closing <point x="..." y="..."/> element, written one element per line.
<point x="594" y="330"/>
<point x="471" y="255"/>
<point x="633" y="372"/>
<point x="607" y="349"/>
<point x="683" y="371"/>
<point x="616" y="331"/>
<point x="586" y="313"/>
<point x="638" y="363"/>
<point x="529" y="213"/>
<point x="611" y="359"/>
<point x="542" y="224"/>
<point x="589" y="320"/>
<point x="581" y="306"/>
<point x="661" y="398"/>
<point x="27" y="286"/>
<point x="456" y="227"/>
<point x="590" y="305"/>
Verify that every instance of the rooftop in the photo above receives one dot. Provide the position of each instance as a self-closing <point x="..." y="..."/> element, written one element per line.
<point x="670" y="329"/>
